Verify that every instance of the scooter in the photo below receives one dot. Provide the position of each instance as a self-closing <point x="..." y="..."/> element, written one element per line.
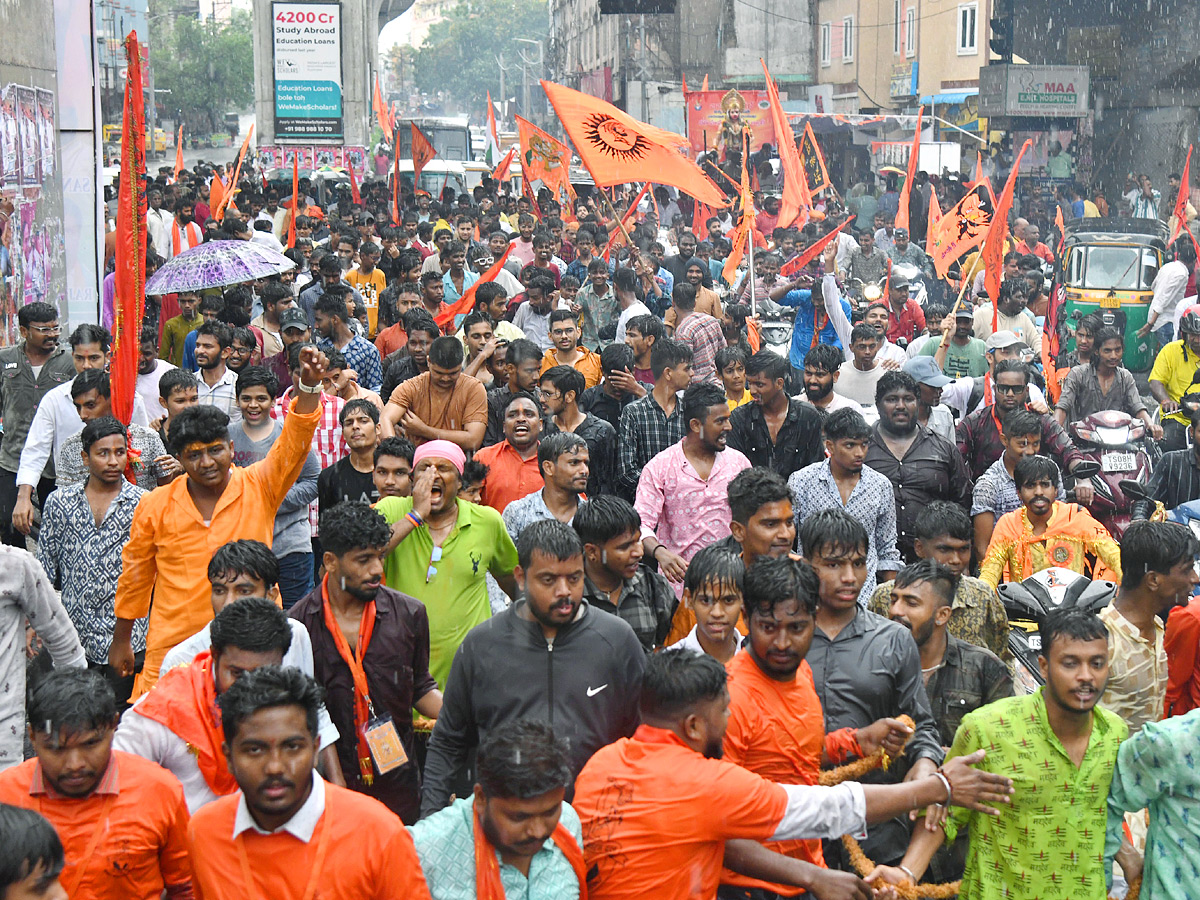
<point x="1113" y="440"/>
<point x="1028" y="603"/>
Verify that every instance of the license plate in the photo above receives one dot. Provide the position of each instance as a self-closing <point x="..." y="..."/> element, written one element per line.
<point x="1118" y="462"/>
<point x="1110" y="302"/>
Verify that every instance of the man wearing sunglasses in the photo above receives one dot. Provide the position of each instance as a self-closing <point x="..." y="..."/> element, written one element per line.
<point x="28" y="371"/>
<point x="979" y="435"/>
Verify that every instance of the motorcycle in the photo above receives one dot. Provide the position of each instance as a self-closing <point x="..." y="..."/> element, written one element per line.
<point x="1028" y="603"/>
<point x="1186" y="514"/>
<point x="1114" y="441"/>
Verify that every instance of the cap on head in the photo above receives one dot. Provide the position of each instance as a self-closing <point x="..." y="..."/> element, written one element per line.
<point x="293" y="318"/>
<point x="1002" y="339"/>
<point x="899" y="279"/>
<point x="965" y="311"/>
<point x="926" y="371"/>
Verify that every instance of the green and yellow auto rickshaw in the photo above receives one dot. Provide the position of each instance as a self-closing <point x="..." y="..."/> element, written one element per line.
<point x="1108" y="266"/>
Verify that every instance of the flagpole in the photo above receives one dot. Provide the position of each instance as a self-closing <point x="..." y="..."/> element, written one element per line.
<point x="753" y="292"/>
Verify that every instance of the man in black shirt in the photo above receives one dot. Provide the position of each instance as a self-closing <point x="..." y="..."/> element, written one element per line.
<point x="352" y="477"/>
<point x="618" y="389"/>
<point x="561" y="385"/>
<point x="412" y="359"/>
<point x="775" y="431"/>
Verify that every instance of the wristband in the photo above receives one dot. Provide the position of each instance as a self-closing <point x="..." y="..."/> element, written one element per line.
<point x="907" y="871"/>
<point x="414" y="518"/>
<point x="946" y="782"/>
<point x="654" y="552"/>
<point x="306" y="389"/>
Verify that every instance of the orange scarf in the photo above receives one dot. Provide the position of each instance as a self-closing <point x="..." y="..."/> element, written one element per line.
<point x="185" y="700"/>
<point x="487" y="868"/>
<point x="362" y="696"/>
<point x="194" y="236"/>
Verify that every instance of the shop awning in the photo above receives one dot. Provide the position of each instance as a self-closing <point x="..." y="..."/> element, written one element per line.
<point x="949" y="99"/>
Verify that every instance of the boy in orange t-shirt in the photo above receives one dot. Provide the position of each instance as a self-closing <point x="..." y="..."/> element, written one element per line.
<point x="289" y="834"/>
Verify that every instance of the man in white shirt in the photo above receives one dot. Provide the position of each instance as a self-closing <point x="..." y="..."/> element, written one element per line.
<point x="624" y="282"/>
<point x="859" y="374"/>
<point x="158" y="222"/>
<point x="150" y="369"/>
<point x="57" y="420"/>
<point x="271" y="638"/>
<point x="966" y="394"/>
<point x="1168" y="287"/>
<point x="216" y="382"/>
<point x="1010" y="316"/>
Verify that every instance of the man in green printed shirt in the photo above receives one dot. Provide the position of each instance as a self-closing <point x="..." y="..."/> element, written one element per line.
<point x="1059" y="748"/>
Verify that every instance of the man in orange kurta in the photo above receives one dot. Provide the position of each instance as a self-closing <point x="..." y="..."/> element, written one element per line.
<point x="178" y="527"/>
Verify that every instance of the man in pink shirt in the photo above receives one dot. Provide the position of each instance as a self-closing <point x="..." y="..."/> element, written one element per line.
<point x="682" y="493"/>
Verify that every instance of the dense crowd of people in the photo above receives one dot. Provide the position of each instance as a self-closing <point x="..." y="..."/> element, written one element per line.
<point x="406" y="582"/>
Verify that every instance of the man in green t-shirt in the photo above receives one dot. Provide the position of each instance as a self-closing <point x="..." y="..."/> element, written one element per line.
<point x="441" y="550"/>
<point x="960" y="356"/>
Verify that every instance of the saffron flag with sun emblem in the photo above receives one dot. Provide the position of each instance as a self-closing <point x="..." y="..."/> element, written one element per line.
<point x="617" y="149"/>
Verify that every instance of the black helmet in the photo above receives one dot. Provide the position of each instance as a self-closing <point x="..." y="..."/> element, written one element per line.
<point x="1190" y="324"/>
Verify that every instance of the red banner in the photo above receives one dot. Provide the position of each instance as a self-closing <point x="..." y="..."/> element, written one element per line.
<point x="130" y="295"/>
<point x="803" y="259"/>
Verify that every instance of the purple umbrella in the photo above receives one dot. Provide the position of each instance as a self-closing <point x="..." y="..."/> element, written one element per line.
<point x="216" y="264"/>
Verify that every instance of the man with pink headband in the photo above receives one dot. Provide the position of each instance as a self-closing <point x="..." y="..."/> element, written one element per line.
<point x="442" y="548"/>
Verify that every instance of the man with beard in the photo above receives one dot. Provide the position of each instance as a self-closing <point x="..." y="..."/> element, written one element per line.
<point x="822" y="366"/>
<point x="513" y="470"/>
<point x="776" y="728"/>
<point x="660" y="809"/>
<point x="412" y="359"/>
<point x="517" y="822"/>
<point x="371" y="655"/>
<point x="960" y="354"/>
<point x="533" y="316"/>
<point x="149" y="370"/>
<point x="677" y="263"/>
<point x="774" y="430"/>
<point x="695" y="273"/>
<point x="588" y="686"/>
<point x="122" y="820"/>
<point x="1014" y="293"/>
<point x="442" y="403"/>
<point x="922" y="466"/>
<point x="1060" y="748"/>
<point x="980" y="437"/>
<point x="183" y="232"/>
<point x="563" y="461"/>
<point x="682" y="491"/>
<point x="216" y="383"/>
<point x="441" y="549"/>
<point x="287" y="827"/>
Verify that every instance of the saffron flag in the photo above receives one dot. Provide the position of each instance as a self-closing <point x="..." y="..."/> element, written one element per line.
<point x="616" y="148"/>
<point x="621" y="230"/>
<point x="1181" y="201"/>
<point x="935" y="216"/>
<point x="527" y="190"/>
<point x="796" y="196"/>
<point x="744" y="233"/>
<point x="813" y="160"/>
<point x="422" y="152"/>
<point x="503" y="172"/>
<point x="355" y="194"/>
<point x="961" y="229"/>
<point x="492" y="136"/>
<point x="545" y="159"/>
<point x="291" y="241"/>
<point x="803" y="259"/>
<point x="396" y="186"/>
<point x="700" y="216"/>
<point x="466" y="302"/>
<point x="178" y="155"/>
<point x="704" y="86"/>
<point x="216" y="194"/>
<point x="906" y="191"/>
<point x="992" y="254"/>
<point x="1062" y="227"/>
<point x="381" y="112"/>
<point x="227" y="199"/>
<point x="129" y="299"/>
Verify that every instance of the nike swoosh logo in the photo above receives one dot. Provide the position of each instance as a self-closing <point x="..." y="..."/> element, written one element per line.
<point x="592" y="692"/>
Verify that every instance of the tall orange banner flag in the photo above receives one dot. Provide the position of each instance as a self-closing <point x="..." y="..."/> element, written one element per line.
<point x="795" y="186"/>
<point x="178" y="155"/>
<point x="130" y="274"/>
<point x="914" y="156"/>
<point x="992" y="254"/>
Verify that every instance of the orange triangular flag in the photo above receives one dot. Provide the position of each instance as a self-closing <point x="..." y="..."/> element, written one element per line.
<point x="616" y="148"/>
<point x="178" y="155"/>
<point x="1181" y="201"/>
<point x="227" y="200"/>
<point x="796" y="197"/>
<point x="381" y="112"/>
<point x="503" y="172"/>
<point x="935" y="216"/>
<point x="700" y="215"/>
<point x="992" y="254"/>
<point x="797" y="263"/>
<point x="545" y="158"/>
<point x="685" y="90"/>
<point x="216" y="194"/>
<point x="354" y="192"/>
<point x="704" y="87"/>
<point x="422" y="152"/>
<point x="466" y="302"/>
<point x="906" y="191"/>
<point x="1061" y="225"/>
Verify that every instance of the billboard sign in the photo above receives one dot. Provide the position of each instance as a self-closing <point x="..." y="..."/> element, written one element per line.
<point x="307" y="44"/>
<point x="1051" y="91"/>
